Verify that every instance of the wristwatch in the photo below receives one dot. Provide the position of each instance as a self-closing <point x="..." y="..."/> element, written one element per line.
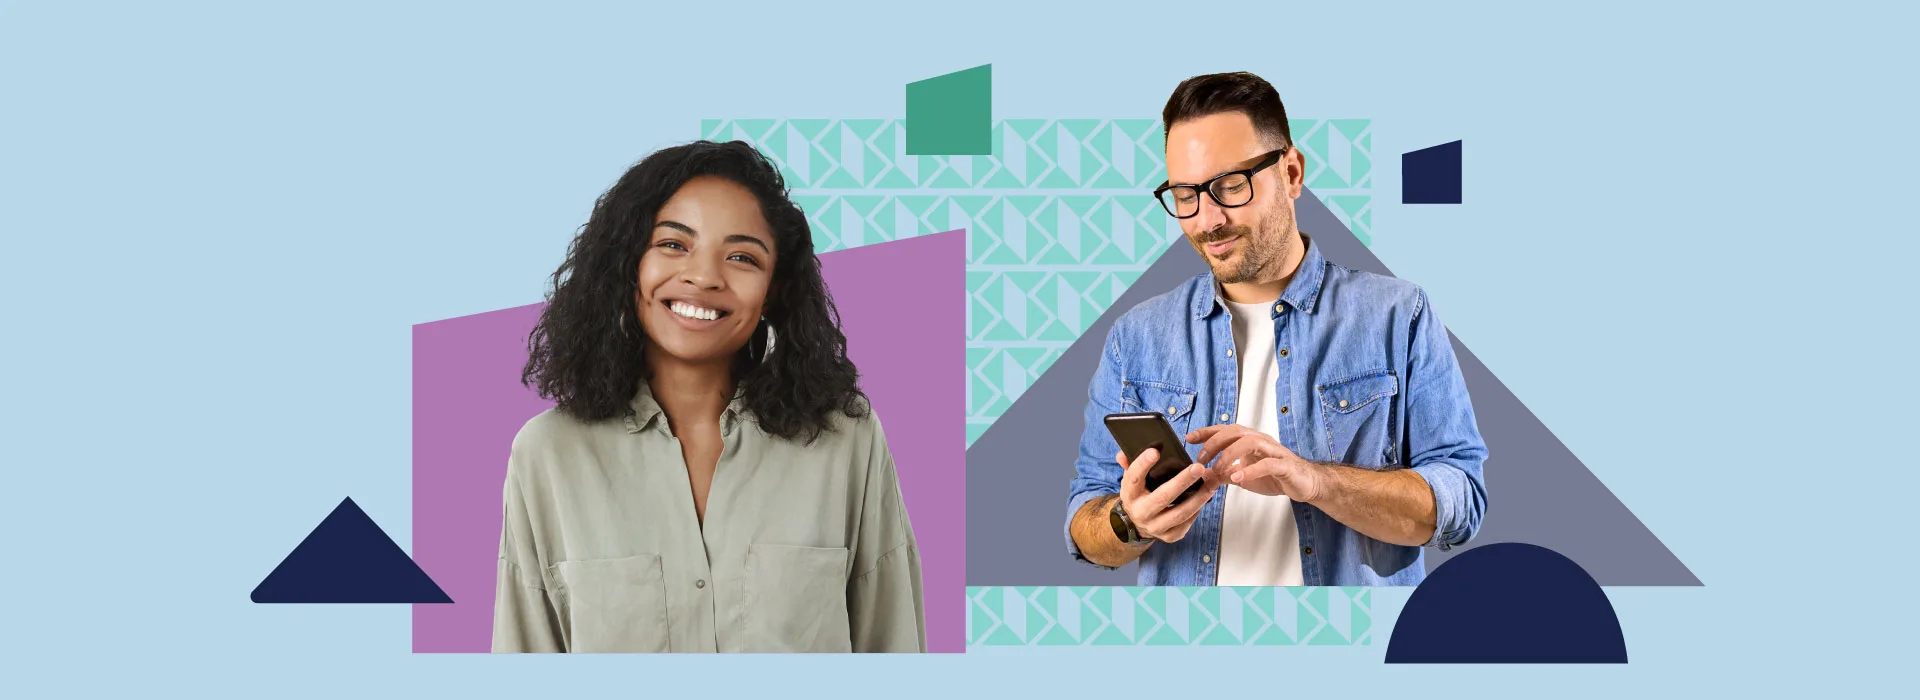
<point x="1123" y="525"/>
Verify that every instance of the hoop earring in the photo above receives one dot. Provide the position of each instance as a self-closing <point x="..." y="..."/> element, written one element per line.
<point x="622" y="323"/>
<point x="768" y="350"/>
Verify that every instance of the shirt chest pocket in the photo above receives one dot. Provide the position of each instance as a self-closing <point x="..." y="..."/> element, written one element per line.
<point x="1357" y="413"/>
<point x="612" y="605"/>
<point x="797" y="599"/>
<point x="1176" y="403"/>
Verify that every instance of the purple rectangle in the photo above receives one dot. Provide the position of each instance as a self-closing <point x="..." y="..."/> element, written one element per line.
<point x="903" y="307"/>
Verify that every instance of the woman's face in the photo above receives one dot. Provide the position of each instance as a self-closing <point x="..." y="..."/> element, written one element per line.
<point x="704" y="276"/>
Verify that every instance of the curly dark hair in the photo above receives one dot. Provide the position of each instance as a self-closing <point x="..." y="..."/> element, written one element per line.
<point x="583" y="357"/>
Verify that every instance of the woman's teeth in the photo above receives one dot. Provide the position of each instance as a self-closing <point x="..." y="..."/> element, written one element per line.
<point x="693" y="312"/>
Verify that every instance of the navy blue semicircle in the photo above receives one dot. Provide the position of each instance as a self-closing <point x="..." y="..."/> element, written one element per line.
<point x="1508" y="603"/>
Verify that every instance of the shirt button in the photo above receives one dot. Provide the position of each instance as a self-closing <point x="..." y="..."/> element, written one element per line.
<point x="1307" y="550"/>
<point x="1279" y="308"/>
<point x="1229" y="352"/>
<point x="1223" y="417"/>
<point x="1283" y="409"/>
<point x="1206" y="558"/>
<point x="1343" y="403"/>
<point x="1170" y="410"/>
<point x="1283" y="352"/>
<point x="700" y="583"/>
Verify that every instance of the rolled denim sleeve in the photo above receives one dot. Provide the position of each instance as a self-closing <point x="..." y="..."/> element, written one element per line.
<point x="1443" y="440"/>
<point x="1096" y="474"/>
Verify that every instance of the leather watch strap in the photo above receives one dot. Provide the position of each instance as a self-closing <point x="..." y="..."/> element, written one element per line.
<point x="1123" y="526"/>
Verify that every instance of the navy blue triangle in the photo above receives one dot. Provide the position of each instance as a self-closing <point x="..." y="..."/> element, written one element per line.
<point x="348" y="559"/>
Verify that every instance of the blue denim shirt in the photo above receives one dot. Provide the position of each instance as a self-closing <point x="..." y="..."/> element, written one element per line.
<point x="1368" y="380"/>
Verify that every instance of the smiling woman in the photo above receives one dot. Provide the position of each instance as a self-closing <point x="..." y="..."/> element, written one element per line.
<point x="712" y="478"/>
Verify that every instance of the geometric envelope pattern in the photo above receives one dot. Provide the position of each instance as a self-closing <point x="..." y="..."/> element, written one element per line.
<point x="1060" y="217"/>
<point x="1340" y="170"/>
<point x="1168" y="616"/>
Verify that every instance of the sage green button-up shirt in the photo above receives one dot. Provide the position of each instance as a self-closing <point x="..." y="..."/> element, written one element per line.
<point x="806" y="547"/>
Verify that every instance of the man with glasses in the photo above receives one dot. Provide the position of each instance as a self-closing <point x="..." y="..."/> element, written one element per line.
<point x="1329" y="427"/>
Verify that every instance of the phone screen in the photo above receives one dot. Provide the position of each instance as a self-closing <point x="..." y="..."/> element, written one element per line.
<point x="1139" y="432"/>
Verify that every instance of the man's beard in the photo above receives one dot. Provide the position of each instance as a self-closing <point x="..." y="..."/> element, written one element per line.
<point x="1258" y="253"/>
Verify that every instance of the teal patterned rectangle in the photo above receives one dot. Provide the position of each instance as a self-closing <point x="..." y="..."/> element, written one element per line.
<point x="863" y="187"/>
<point x="1060" y="218"/>
<point x="1161" y="616"/>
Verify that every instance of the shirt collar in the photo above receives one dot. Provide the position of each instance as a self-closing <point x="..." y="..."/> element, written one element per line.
<point x="1302" y="293"/>
<point x="646" y="412"/>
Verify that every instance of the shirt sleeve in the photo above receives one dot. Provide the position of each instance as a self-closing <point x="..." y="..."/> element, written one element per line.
<point x="524" y="616"/>
<point x="1443" y="440"/>
<point x="1095" y="472"/>
<point x="886" y="608"/>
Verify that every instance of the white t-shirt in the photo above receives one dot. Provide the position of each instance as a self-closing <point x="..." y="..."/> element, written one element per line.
<point x="1259" y="541"/>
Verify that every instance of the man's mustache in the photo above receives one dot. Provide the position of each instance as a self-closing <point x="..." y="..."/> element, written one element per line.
<point x="1220" y="234"/>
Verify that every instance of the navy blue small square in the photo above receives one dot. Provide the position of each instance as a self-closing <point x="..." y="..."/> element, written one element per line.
<point x="1431" y="175"/>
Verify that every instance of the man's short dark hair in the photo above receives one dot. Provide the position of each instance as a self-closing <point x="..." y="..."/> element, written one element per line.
<point x="1246" y="93"/>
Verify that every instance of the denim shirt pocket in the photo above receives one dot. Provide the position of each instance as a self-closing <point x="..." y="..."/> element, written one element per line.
<point x="1357" y="413"/>
<point x="1174" y="402"/>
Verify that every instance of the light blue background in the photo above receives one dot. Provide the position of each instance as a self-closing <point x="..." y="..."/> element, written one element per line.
<point x="1682" y="245"/>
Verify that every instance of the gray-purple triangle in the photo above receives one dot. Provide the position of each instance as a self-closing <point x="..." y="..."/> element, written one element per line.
<point x="1538" y="491"/>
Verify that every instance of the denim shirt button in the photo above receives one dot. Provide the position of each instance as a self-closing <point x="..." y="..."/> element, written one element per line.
<point x="1308" y="550"/>
<point x="1206" y="558"/>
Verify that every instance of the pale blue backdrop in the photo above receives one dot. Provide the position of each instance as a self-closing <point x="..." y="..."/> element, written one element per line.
<point x="1684" y="245"/>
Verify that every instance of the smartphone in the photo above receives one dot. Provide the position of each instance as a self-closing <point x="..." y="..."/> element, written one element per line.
<point x="1139" y="432"/>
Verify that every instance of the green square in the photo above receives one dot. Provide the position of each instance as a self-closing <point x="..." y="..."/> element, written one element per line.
<point x="952" y="114"/>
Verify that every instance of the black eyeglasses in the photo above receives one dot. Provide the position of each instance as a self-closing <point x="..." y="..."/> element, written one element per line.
<point x="1229" y="190"/>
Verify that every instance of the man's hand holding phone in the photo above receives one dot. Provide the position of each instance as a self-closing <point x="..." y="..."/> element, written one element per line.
<point x="1162" y="514"/>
